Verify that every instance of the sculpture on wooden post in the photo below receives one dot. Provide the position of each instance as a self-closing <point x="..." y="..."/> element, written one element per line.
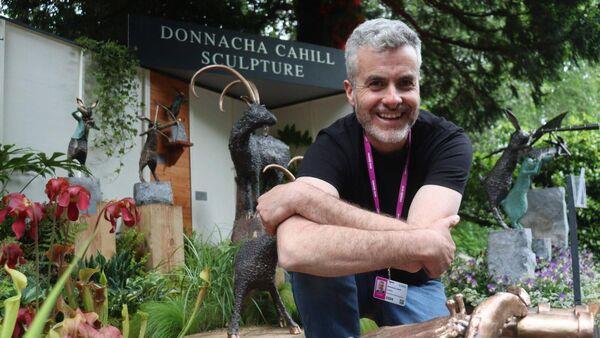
<point x="249" y="153"/>
<point x="78" y="146"/>
<point x="149" y="153"/>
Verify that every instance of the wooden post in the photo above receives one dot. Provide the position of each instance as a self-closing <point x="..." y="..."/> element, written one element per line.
<point x="104" y="242"/>
<point x="163" y="228"/>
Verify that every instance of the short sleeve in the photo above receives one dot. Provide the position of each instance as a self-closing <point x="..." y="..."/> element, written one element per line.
<point x="450" y="162"/>
<point x="325" y="160"/>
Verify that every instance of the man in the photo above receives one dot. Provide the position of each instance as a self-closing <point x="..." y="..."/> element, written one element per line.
<point x="387" y="158"/>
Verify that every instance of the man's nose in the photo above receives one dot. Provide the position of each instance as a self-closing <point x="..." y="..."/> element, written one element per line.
<point x="392" y="98"/>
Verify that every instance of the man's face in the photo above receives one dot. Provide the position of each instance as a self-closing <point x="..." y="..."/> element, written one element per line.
<point x="385" y="95"/>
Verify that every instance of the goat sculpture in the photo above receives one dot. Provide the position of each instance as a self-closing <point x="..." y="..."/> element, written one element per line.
<point x="254" y="268"/>
<point x="149" y="153"/>
<point x="78" y="145"/>
<point x="249" y="153"/>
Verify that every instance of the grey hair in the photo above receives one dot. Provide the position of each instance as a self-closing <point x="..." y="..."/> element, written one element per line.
<point x="380" y="34"/>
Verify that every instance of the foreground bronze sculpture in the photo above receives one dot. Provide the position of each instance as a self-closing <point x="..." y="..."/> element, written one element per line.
<point x="254" y="268"/>
<point x="506" y="314"/>
<point x="78" y="147"/>
<point x="250" y="153"/>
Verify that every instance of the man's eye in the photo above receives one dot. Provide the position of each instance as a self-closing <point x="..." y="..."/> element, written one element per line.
<point x="376" y="84"/>
<point x="406" y="83"/>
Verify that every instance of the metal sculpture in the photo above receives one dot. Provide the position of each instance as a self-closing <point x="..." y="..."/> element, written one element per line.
<point x="505" y="314"/>
<point x="78" y="146"/>
<point x="254" y="268"/>
<point x="149" y="154"/>
<point x="498" y="181"/>
<point x="249" y="153"/>
<point x="515" y="204"/>
<point x="177" y="131"/>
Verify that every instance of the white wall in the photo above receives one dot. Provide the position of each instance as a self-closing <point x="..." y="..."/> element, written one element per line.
<point x="313" y="115"/>
<point x="211" y="167"/>
<point x="41" y="81"/>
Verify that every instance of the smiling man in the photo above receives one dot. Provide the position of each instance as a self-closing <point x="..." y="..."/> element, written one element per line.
<point x="376" y="197"/>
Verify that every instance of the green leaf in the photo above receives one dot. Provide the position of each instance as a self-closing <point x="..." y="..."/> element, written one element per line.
<point x="12" y="304"/>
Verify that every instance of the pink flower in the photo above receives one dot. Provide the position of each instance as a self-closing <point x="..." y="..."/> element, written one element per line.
<point x="21" y="208"/>
<point x="125" y="208"/>
<point x="55" y="186"/>
<point x="75" y="198"/>
<point x="11" y="255"/>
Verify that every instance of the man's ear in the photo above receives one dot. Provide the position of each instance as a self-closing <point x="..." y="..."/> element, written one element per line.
<point x="349" y="92"/>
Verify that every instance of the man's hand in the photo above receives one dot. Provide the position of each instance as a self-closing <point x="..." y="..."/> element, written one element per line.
<point x="439" y="249"/>
<point x="279" y="204"/>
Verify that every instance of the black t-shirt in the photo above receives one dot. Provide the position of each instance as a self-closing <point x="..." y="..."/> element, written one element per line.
<point x="440" y="155"/>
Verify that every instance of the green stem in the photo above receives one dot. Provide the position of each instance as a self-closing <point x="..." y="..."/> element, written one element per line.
<point x="33" y="178"/>
<point x="199" y="300"/>
<point x="37" y="326"/>
<point x="37" y="270"/>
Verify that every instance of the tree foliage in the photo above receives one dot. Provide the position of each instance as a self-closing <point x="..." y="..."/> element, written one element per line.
<point x="472" y="51"/>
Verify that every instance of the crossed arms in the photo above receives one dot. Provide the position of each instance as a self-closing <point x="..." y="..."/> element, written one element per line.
<point x="322" y="235"/>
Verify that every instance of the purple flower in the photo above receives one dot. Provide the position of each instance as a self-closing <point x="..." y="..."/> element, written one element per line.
<point x="529" y="282"/>
<point x="491" y="288"/>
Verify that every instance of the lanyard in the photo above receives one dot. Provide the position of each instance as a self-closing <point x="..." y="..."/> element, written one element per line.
<point x="373" y="180"/>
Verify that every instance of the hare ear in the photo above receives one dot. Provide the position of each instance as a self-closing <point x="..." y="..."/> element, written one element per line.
<point x="513" y="119"/>
<point x="94" y="105"/>
<point x="80" y="102"/>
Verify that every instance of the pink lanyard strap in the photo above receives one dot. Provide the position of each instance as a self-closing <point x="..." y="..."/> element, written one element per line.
<point x="373" y="180"/>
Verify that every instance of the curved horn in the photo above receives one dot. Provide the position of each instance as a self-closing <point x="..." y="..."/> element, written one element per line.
<point x="294" y="159"/>
<point x="286" y="172"/>
<point x="243" y="80"/>
<point x="222" y="96"/>
<point x="255" y="91"/>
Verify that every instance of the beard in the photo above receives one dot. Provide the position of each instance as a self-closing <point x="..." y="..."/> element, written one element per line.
<point x="380" y="134"/>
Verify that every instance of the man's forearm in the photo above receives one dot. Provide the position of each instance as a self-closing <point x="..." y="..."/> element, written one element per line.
<point x="329" y="250"/>
<point x="327" y="209"/>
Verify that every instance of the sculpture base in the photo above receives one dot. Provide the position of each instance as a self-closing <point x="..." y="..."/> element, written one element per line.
<point x="547" y="215"/>
<point x="510" y="254"/>
<point x="153" y="193"/>
<point x="162" y="226"/>
<point x="105" y="242"/>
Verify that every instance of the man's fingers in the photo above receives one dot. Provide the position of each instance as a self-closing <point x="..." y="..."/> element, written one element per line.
<point x="453" y="220"/>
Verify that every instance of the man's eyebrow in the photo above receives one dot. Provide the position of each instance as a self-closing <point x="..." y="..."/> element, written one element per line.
<point x="374" y="77"/>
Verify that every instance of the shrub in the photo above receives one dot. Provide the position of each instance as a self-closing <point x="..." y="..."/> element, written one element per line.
<point x="552" y="282"/>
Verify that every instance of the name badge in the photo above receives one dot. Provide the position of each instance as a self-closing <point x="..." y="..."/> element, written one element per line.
<point x="390" y="291"/>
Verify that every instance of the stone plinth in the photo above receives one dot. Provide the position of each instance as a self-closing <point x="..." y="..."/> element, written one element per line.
<point x="163" y="229"/>
<point x="92" y="185"/>
<point x="153" y="193"/>
<point x="547" y="215"/>
<point x="510" y="254"/>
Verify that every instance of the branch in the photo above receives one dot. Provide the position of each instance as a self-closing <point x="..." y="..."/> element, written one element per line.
<point x="461" y="17"/>
<point x="397" y="9"/>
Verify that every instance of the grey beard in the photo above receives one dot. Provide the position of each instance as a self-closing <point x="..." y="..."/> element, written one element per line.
<point x="384" y="136"/>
